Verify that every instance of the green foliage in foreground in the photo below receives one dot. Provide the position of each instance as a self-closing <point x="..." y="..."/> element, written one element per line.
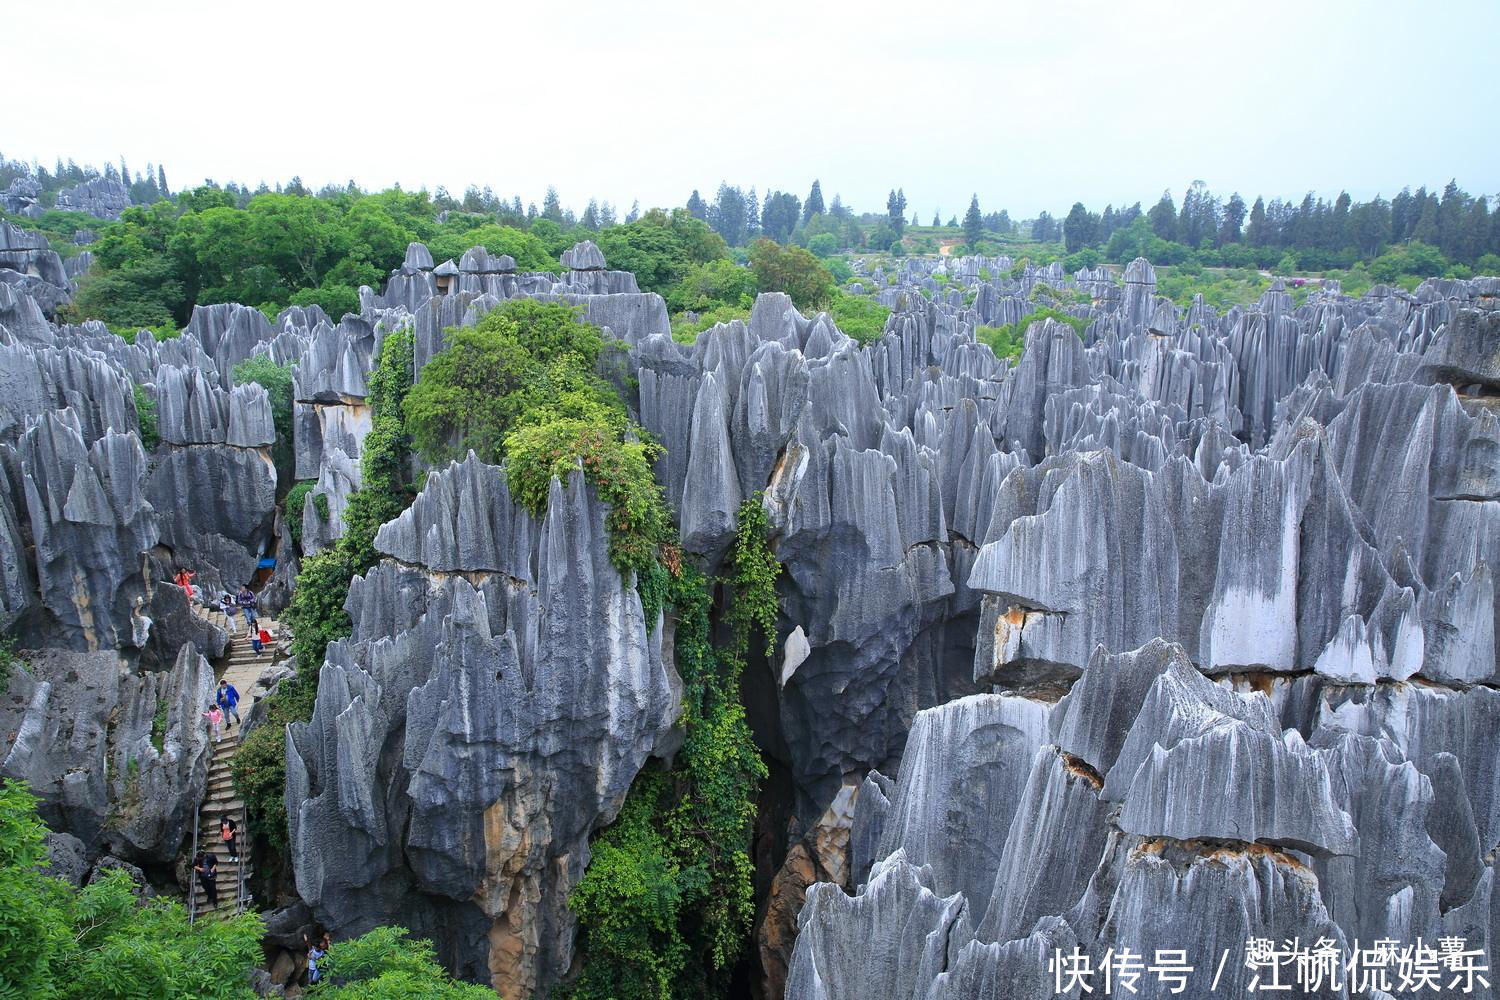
<point x="666" y="903"/>
<point x="1009" y="341"/>
<point x="316" y="615"/>
<point x="145" y="412"/>
<point x="101" y="942"/>
<point x="858" y="316"/>
<point x="387" y="964"/>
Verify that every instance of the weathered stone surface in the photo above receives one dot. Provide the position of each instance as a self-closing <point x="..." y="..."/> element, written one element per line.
<point x="136" y="800"/>
<point x="525" y="706"/>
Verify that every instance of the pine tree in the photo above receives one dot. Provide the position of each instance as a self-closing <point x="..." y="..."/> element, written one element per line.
<point x="634" y="213"/>
<point x="973" y="223"/>
<point x="591" y="215"/>
<point x="814" y="204"/>
<point x="1257" y="234"/>
<point x="1163" y="217"/>
<point x="752" y="214"/>
<point x="552" y="205"/>
<point x="936" y="219"/>
<point x="697" y="207"/>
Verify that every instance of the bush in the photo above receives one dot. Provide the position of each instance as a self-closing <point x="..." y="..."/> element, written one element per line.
<point x="145" y="413"/>
<point x="1488" y="265"/>
<point x="823" y="245"/>
<point x="713" y="285"/>
<point x="387" y="963"/>
<point x="102" y="941"/>
<point x="1087" y="257"/>
<point x="1009" y="341"/>
<point x="840" y="269"/>
<point x="792" y="270"/>
<point x="619" y="469"/>
<point x="859" y="317"/>
<point x="474" y="392"/>
<point x="1410" y="260"/>
<point x="666" y="903"/>
<point x="686" y="330"/>
<point x="292" y="507"/>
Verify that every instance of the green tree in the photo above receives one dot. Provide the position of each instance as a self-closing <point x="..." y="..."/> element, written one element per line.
<point x="814" y="204"/>
<point x="476" y="391"/>
<point x="792" y="270"/>
<point x="386" y="964"/>
<point x="973" y="222"/>
<point x="102" y="941"/>
<point x="1163" y="217"/>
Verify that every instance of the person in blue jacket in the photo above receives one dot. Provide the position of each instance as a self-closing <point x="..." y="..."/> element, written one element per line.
<point x="229" y="701"/>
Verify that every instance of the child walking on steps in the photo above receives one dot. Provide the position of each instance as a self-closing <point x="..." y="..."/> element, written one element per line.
<point x="215" y="719"/>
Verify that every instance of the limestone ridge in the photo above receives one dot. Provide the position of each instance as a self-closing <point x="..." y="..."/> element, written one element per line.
<point x="1174" y="633"/>
<point x="509" y="674"/>
<point x="1260" y="543"/>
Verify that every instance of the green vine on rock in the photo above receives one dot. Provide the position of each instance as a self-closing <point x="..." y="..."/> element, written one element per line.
<point x="666" y="905"/>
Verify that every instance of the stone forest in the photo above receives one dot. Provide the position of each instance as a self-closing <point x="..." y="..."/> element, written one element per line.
<point x="750" y="599"/>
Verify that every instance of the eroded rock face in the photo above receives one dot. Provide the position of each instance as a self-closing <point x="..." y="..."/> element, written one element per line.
<point x="1255" y="552"/>
<point x="136" y="798"/>
<point x="498" y="696"/>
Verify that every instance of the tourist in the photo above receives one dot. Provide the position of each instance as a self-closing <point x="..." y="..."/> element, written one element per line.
<point x="227" y="608"/>
<point x="246" y="601"/>
<point x="228" y="832"/>
<point x="215" y="717"/>
<point x="184" y="579"/>
<point x="262" y="640"/>
<point x="229" y="700"/>
<point x="207" y="867"/>
<point x="315" y="953"/>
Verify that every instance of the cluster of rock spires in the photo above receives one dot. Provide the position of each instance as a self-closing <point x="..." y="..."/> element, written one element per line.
<point x="1171" y="635"/>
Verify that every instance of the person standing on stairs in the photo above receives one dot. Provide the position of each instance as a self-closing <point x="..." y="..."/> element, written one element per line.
<point x="215" y="718"/>
<point x="247" y="603"/>
<point x="207" y="867"/>
<point x="229" y="832"/>
<point x="226" y="607"/>
<point x="229" y="700"/>
<point x="261" y="641"/>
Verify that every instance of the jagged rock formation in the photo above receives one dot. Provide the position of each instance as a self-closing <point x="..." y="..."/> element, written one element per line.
<point x="1175" y="633"/>
<point x="512" y="678"/>
<point x="1254" y="551"/>
<point x="101" y="197"/>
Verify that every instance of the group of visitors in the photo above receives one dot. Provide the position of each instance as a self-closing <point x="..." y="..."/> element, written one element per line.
<point x="244" y="603"/>
<point x="206" y="863"/>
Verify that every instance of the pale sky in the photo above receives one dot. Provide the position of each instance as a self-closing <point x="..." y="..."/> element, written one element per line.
<point x="1030" y="105"/>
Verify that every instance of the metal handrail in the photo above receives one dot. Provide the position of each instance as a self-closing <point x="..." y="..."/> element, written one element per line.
<point x="192" y="872"/>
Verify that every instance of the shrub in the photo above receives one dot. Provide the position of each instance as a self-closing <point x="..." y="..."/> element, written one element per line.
<point x="712" y="285"/>
<point x="145" y="413"/>
<point x="387" y="963"/>
<point x="685" y="330"/>
<point x="666" y="903"/>
<point x="1488" y="265"/>
<point x="859" y="317"/>
<point x="792" y="270"/>
<point x="619" y="469"/>
<point x="57" y="941"/>
<point x="1009" y="341"/>
<point x="296" y="500"/>
<point x="823" y="245"/>
<point x="474" y="392"/>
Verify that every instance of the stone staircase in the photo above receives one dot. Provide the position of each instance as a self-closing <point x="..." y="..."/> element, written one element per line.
<point x="241" y="666"/>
